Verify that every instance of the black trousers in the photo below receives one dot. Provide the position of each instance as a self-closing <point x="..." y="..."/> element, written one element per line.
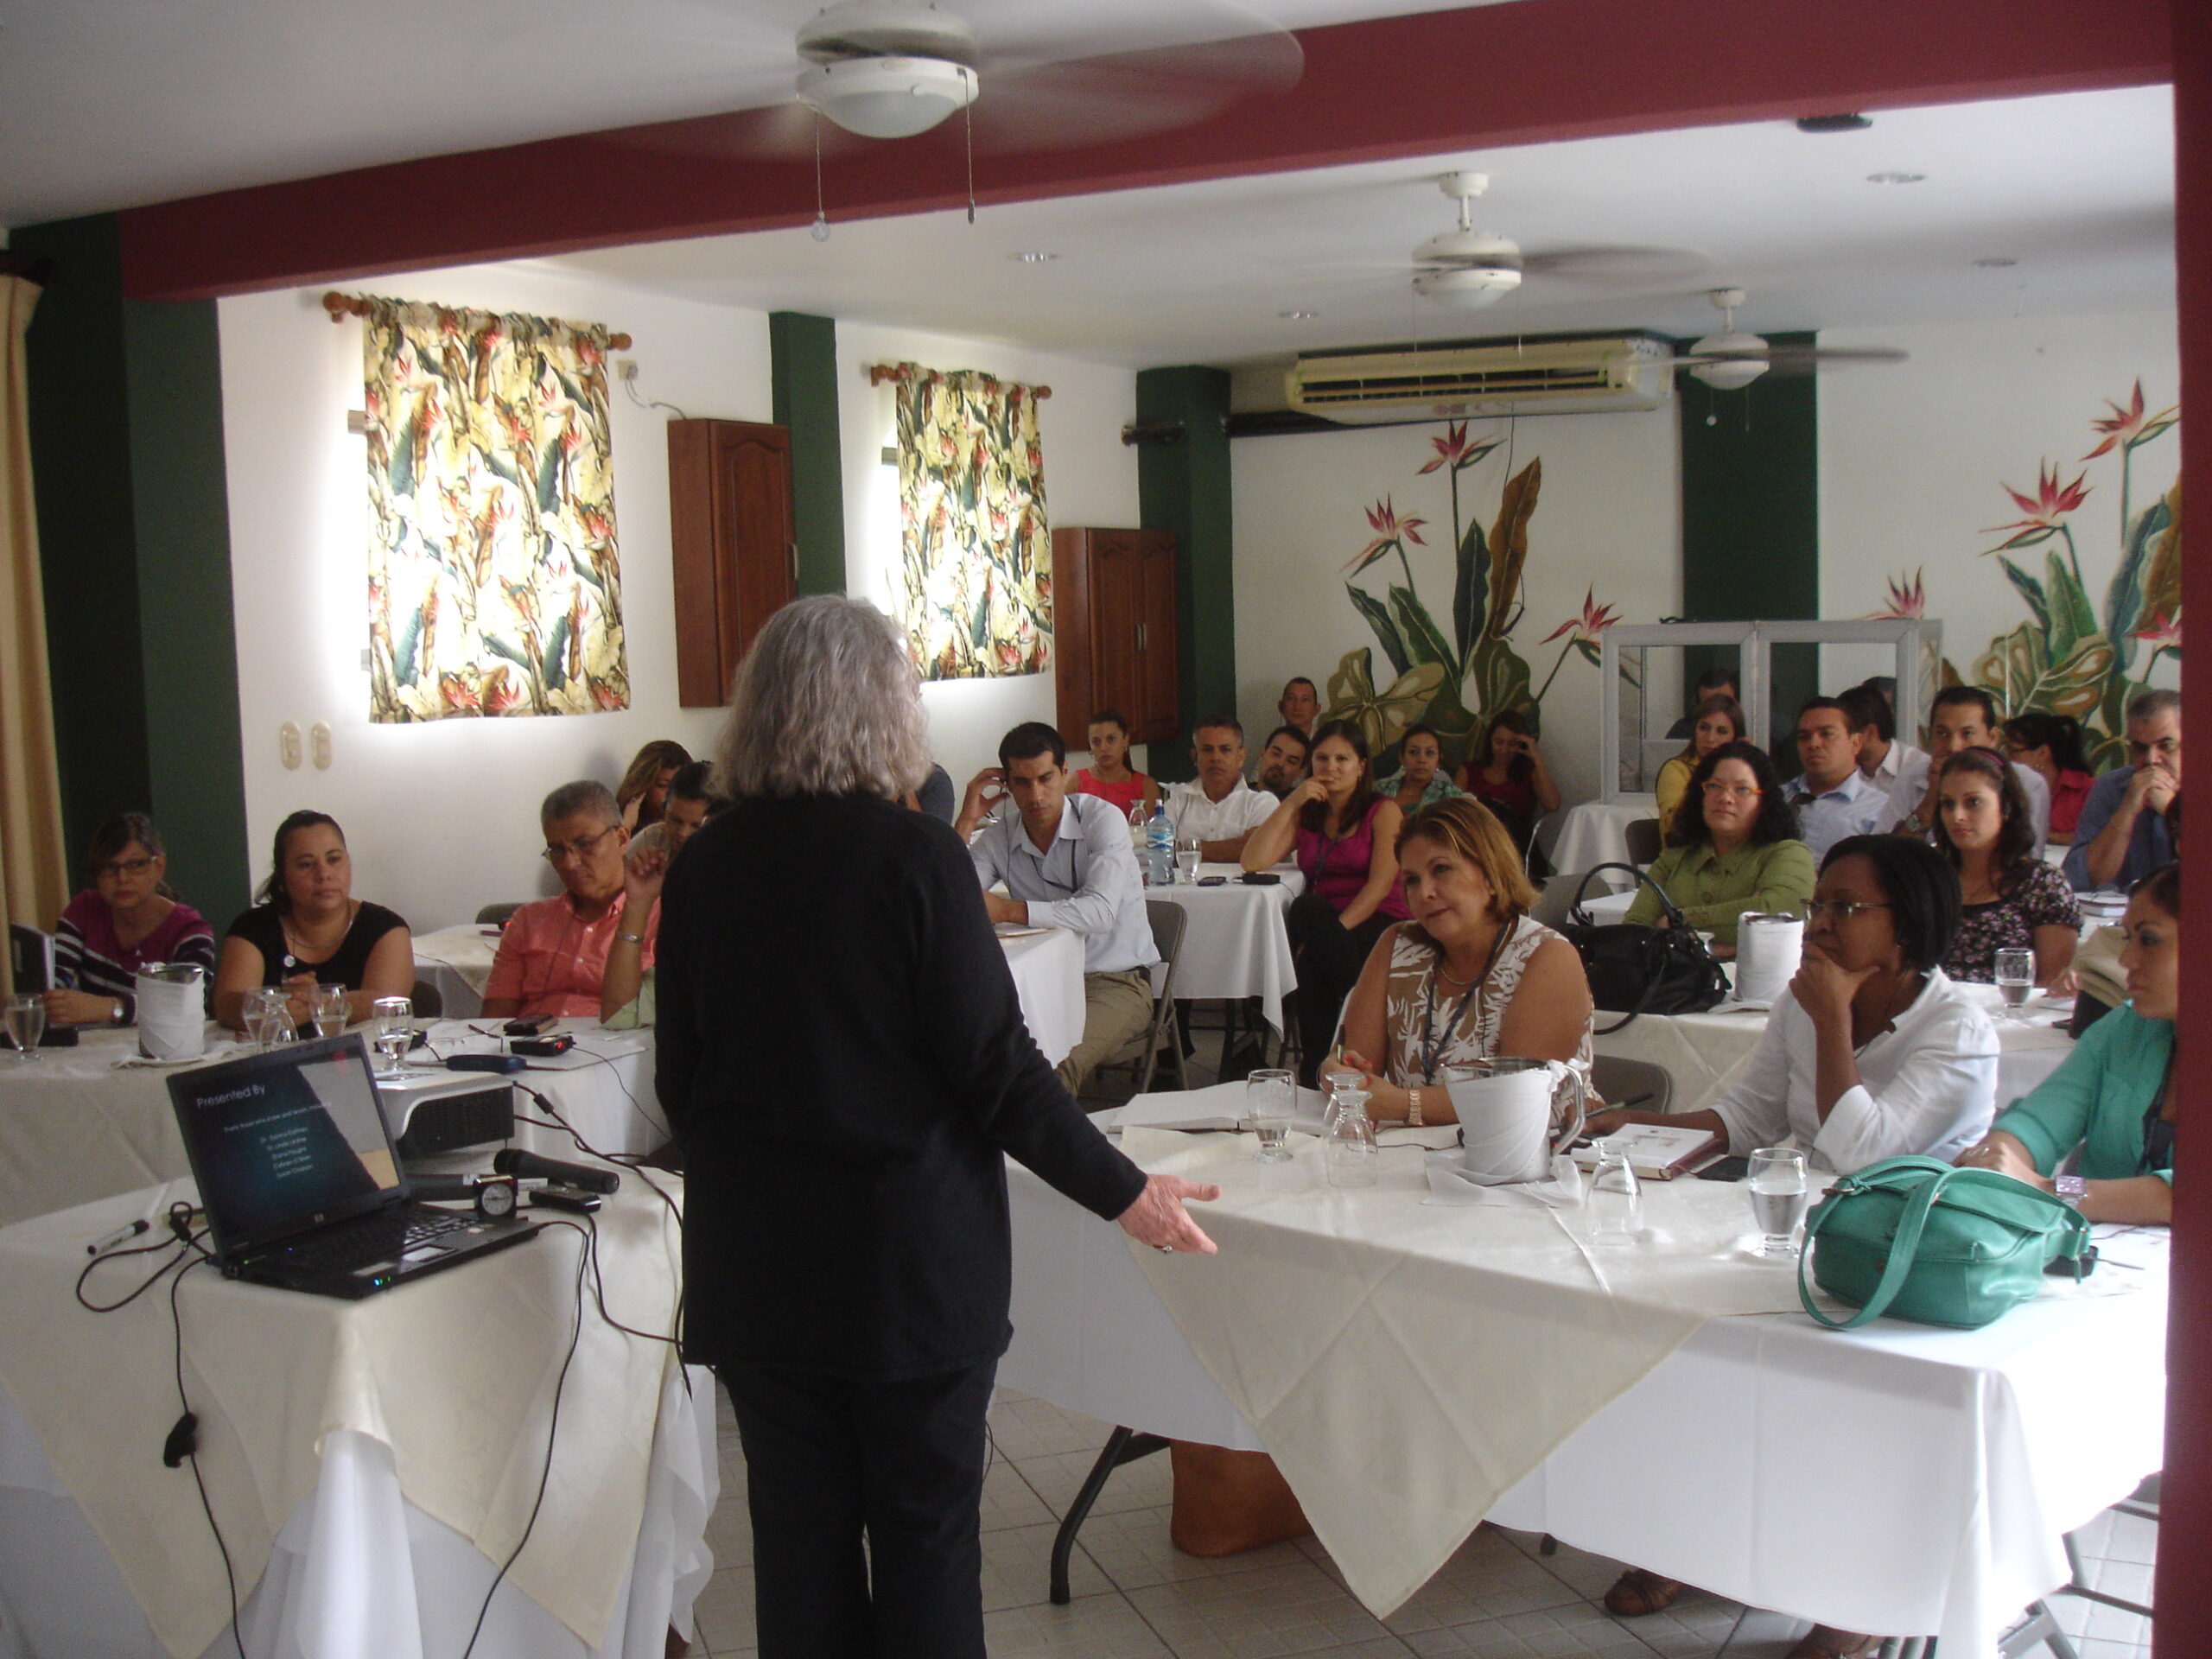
<point x="832" y="1461"/>
<point x="1328" y="957"/>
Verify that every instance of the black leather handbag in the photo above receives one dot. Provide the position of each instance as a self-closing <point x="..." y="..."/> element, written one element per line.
<point x="1633" y="968"/>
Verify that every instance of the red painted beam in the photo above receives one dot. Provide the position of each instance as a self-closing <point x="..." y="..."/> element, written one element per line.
<point x="1480" y="78"/>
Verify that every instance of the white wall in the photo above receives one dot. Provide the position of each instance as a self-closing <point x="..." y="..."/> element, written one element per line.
<point x="1609" y="515"/>
<point x="1912" y="457"/>
<point x="1090" y="478"/>
<point x="442" y="816"/>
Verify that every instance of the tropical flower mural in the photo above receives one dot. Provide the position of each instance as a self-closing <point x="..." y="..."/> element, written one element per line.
<point x="1451" y="677"/>
<point x="494" y="584"/>
<point x="977" y="554"/>
<point x="2072" y="656"/>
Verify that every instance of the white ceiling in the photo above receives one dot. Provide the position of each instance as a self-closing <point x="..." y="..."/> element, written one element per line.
<point x="112" y="104"/>
<point x="2077" y="188"/>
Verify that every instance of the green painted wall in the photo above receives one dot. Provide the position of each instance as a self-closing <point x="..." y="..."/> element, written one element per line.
<point x="803" y="356"/>
<point x="127" y="460"/>
<point x="1183" y="488"/>
<point x="1750" y="521"/>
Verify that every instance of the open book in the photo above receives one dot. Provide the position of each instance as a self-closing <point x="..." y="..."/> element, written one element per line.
<point x="1657" y="1151"/>
<point x="1221" y="1106"/>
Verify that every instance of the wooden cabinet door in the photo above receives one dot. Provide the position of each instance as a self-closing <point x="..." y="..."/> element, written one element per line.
<point x="1114" y="613"/>
<point x="1158" y="716"/>
<point x="1116" y="621"/>
<point x="730" y="535"/>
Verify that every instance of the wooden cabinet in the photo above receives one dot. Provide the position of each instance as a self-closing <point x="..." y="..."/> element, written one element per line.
<point x="729" y="510"/>
<point x="1113" y="621"/>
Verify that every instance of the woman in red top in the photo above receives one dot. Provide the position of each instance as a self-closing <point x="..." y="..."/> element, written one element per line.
<point x="1507" y="774"/>
<point x="1346" y="838"/>
<point x="2051" y="746"/>
<point x="1109" y="775"/>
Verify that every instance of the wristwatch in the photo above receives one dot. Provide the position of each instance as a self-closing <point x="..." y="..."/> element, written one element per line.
<point x="2071" y="1190"/>
<point x="1412" y="1109"/>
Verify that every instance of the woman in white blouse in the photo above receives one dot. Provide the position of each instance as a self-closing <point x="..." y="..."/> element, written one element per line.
<point x="1870" y="1053"/>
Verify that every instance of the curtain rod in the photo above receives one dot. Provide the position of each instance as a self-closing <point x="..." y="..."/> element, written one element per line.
<point x="356" y="305"/>
<point x="880" y="373"/>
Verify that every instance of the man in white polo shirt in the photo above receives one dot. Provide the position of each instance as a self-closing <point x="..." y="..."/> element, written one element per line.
<point x="1833" y="798"/>
<point x="1218" y="807"/>
<point x="1961" y="717"/>
<point x="1066" y="863"/>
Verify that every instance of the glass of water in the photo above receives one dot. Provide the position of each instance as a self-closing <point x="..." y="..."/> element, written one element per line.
<point x="392" y="1020"/>
<point x="267" y="1018"/>
<point x="330" y="1008"/>
<point x="1187" y="857"/>
<point x="1267" y="1099"/>
<point x="1780" y="1191"/>
<point x="2016" y="976"/>
<point x="26" y="1024"/>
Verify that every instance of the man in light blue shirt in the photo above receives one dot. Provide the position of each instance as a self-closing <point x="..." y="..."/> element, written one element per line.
<point x="2128" y="823"/>
<point x="1066" y="863"/>
<point x="1834" y="799"/>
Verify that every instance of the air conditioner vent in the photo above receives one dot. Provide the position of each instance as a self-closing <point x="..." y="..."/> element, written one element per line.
<point x="1534" y="378"/>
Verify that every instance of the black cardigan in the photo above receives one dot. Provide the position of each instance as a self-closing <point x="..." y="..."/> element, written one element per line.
<point x="844" y="1062"/>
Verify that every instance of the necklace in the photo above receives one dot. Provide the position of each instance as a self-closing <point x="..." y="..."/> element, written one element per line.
<point x="1432" y="1042"/>
<point x="298" y="944"/>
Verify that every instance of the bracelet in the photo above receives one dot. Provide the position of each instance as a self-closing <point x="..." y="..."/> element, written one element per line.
<point x="1412" y="1109"/>
<point x="631" y="938"/>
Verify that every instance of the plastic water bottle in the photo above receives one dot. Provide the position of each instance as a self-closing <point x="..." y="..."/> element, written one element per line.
<point x="1159" y="846"/>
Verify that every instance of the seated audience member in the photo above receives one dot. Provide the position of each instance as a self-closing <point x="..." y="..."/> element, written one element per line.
<point x="308" y="929"/>
<point x="127" y="917"/>
<point x="1886" y="759"/>
<point x="2013" y="899"/>
<point x="2050" y="745"/>
<point x="2131" y="823"/>
<point x="1734" y="849"/>
<point x="1066" y="863"/>
<point x="626" y="987"/>
<point x="691" y="801"/>
<point x="1420" y="777"/>
<point x="1719" y="720"/>
<point x="552" y="956"/>
<point x="1218" y="806"/>
<point x="1283" y="761"/>
<point x="1346" y="838"/>
<point x="1109" y="776"/>
<point x="1503" y="984"/>
<point x="643" y="793"/>
<point x="2113" y="1096"/>
<point x="936" y="797"/>
<point x="1961" y="717"/>
<point x="1871" y="1052"/>
<point x="1506" y="773"/>
<point x="1300" y="706"/>
<point x="1831" y="796"/>
<point x="1713" y="682"/>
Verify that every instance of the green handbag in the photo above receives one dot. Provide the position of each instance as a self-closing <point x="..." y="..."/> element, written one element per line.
<point x="1919" y="1239"/>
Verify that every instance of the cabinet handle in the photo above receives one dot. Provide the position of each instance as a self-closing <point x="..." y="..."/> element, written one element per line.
<point x="793" y="546"/>
<point x="1140" y="645"/>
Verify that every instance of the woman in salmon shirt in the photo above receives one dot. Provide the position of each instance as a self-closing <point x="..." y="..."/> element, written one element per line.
<point x="1109" y="776"/>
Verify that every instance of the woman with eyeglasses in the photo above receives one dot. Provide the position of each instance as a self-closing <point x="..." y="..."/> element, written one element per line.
<point x="2013" y="899"/>
<point x="127" y="917"/>
<point x="1719" y="720"/>
<point x="1870" y="1053"/>
<point x="2113" y="1098"/>
<point x="1734" y="848"/>
<point x="308" y="929"/>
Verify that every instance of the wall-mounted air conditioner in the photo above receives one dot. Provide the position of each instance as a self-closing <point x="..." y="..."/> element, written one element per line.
<point x="1535" y="376"/>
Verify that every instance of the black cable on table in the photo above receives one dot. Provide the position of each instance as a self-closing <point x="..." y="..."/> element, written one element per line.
<point x="192" y="1445"/>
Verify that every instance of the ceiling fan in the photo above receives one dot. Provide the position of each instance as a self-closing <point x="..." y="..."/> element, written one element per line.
<point x="1468" y="268"/>
<point x="1728" y="361"/>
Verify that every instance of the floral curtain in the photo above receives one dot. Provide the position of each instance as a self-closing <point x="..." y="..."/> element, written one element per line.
<point x="977" y="554"/>
<point x="495" y="586"/>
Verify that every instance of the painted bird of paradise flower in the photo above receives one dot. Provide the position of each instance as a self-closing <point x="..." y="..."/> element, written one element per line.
<point x="1582" y="632"/>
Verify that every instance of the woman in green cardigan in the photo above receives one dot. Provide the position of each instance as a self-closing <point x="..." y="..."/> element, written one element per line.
<point x="2113" y="1095"/>
<point x="1734" y="849"/>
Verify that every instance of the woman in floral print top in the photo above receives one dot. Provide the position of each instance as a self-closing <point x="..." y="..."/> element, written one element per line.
<point x="2013" y="898"/>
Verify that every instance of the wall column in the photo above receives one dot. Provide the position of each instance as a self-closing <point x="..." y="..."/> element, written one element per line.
<point x="802" y="357"/>
<point x="1182" y="488"/>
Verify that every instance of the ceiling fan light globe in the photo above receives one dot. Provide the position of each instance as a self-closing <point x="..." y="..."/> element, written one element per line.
<point x="887" y="97"/>
<point x="1467" y="287"/>
<point x="1730" y="376"/>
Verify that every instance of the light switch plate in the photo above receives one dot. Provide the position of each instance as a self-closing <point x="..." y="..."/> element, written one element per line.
<point x="288" y="745"/>
<point x="318" y="745"/>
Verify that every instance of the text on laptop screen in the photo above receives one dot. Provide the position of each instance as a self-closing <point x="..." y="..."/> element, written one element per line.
<point x="291" y="1143"/>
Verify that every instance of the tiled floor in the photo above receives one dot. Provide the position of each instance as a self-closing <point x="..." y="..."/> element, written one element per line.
<point x="1137" y="1596"/>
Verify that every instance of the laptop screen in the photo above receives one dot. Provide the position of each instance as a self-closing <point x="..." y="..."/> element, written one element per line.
<point x="285" y="1141"/>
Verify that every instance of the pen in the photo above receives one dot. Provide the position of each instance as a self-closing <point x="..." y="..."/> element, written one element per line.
<point x="109" y="1241"/>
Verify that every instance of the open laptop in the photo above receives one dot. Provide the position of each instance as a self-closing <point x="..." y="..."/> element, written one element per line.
<point x="300" y="1179"/>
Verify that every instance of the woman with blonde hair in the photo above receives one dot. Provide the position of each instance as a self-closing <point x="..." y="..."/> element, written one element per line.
<point x="1470" y="977"/>
<point x="642" y="795"/>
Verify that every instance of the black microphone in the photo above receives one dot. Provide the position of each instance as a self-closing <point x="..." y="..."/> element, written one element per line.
<point x="512" y="1161"/>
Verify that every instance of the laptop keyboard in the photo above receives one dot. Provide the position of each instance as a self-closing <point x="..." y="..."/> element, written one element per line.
<point x="373" y="1238"/>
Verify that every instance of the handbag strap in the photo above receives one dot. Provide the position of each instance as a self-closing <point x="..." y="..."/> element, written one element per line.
<point x="1673" y="916"/>
<point x="1680" y="927"/>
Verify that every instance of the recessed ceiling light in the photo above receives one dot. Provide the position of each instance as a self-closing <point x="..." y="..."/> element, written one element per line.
<point x="1298" y="316"/>
<point x="1895" y="178"/>
<point x="1995" y="264"/>
<point x="1032" y="257"/>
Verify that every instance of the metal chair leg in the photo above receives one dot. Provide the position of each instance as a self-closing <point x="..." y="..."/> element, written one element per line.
<point x="1123" y="1446"/>
<point x="2040" y="1630"/>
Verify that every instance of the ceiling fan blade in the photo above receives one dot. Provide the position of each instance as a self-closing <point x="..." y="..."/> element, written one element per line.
<point x="1129" y="94"/>
<point x="1624" y="267"/>
<point x="1822" y="354"/>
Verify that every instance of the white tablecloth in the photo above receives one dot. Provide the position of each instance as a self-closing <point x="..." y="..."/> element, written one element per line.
<point x="450" y="1381"/>
<point x="1047" y="969"/>
<point x="458" y="961"/>
<point x="1899" y="1478"/>
<point x="1596" y="832"/>
<point x="1235" y="944"/>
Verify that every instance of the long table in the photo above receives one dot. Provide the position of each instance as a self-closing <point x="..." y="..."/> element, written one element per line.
<point x="369" y="1463"/>
<point x="1235" y="943"/>
<point x="1899" y="1479"/>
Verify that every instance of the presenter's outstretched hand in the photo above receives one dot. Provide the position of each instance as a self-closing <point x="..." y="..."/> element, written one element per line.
<point x="1157" y="1217"/>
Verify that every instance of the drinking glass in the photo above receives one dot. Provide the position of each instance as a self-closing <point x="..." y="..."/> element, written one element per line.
<point x="1616" y="1198"/>
<point x="330" y="1010"/>
<point x="2016" y="976"/>
<point x="392" y="1020"/>
<point x="267" y="1018"/>
<point x="1349" y="1153"/>
<point x="1336" y="1081"/>
<point x="1268" y="1100"/>
<point x="26" y="1024"/>
<point x="1186" y="859"/>
<point x="1780" y="1193"/>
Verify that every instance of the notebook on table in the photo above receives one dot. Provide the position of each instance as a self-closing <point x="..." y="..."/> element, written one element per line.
<point x="300" y="1179"/>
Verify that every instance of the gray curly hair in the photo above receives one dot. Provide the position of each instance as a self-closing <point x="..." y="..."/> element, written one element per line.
<point x="826" y="703"/>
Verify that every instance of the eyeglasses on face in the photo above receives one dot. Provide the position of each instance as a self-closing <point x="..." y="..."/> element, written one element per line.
<point x="565" y="851"/>
<point x="116" y="868"/>
<point x="1716" y="791"/>
<point x="1842" y="910"/>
